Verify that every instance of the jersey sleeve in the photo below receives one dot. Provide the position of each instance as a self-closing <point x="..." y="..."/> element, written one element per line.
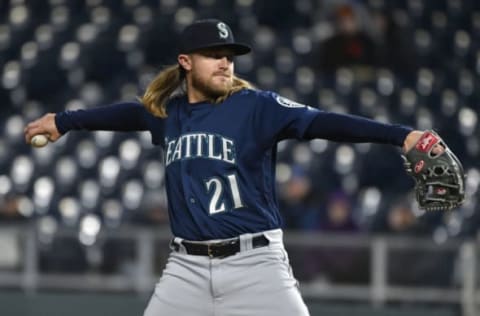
<point x="279" y="118"/>
<point x="355" y="129"/>
<point x="124" y="116"/>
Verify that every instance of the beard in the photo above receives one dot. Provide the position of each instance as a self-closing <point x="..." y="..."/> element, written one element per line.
<point x="209" y="89"/>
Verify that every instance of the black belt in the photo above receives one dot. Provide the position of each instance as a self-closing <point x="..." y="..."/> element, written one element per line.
<point x="220" y="249"/>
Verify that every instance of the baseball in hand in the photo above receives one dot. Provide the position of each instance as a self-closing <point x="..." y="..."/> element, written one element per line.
<point x="39" y="140"/>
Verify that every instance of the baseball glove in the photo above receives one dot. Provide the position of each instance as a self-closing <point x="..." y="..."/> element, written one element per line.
<point x="439" y="177"/>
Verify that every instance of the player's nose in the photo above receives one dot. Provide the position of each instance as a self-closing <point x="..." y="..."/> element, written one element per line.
<point x="224" y="62"/>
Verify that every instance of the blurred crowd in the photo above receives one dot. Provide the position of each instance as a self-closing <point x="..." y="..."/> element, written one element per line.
<point x="411" y="62"/>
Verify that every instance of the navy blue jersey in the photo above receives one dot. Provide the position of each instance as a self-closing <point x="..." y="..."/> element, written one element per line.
<point x="220" y="162"/>
<point x="220" y="158"/>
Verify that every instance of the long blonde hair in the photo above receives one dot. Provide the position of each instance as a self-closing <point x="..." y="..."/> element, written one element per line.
<point x="172" y="79"/>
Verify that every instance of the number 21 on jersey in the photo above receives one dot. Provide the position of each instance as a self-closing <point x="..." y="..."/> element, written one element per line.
<point x="216" y="186"/>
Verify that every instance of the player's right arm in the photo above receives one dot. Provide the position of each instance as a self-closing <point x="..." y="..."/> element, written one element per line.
<point x="127" y="116"/>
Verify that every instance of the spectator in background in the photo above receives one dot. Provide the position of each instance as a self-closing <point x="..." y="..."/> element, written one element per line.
<point x="339" y="214"/>
<point x="400" y="219"/>
<point x="301" y="212"/>
<point x="9" y="211"/>
<point x="428" y="268"/>
<point x="340" y="265"/>
<point x="349" y="46"/>
<point x="298" y="203"/>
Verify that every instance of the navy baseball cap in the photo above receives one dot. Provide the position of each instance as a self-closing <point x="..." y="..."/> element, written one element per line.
<point x="210" y="33"/>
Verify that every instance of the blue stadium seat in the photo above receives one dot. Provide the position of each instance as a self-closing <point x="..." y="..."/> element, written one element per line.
<point x="90" y="53"/>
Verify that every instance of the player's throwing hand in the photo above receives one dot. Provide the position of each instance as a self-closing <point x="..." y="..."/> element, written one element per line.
<point x="45" y="126"/>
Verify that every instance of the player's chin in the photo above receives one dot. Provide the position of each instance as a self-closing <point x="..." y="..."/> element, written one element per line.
<point x="220" y="88"/>
<point x="222" y="82"/>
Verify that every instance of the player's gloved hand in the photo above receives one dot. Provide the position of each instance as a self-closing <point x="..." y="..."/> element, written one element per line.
<point x="438" y="174"/>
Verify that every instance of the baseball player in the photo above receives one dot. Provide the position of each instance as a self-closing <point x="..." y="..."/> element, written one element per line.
<point x="219" y="136"/>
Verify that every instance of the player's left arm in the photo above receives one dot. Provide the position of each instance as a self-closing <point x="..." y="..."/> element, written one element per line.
<point x="438" y="173"/>
<point x="356" y="129"/>
<point x="289" y="119"/>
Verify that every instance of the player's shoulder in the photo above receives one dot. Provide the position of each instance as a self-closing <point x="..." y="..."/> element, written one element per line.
<point x="266" y="97"/>
<point x="255" y="95"/>
<point x="251" y="100"/>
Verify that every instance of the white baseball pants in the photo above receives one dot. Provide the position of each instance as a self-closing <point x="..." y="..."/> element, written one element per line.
<point x="252" y="282"/>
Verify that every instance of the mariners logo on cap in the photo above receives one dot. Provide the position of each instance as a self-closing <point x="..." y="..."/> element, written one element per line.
<point x="222" y="30"/>
<point x="209" y="33"/>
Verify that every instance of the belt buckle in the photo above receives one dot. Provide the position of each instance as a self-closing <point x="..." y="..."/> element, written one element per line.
<point x="209" y="251"/>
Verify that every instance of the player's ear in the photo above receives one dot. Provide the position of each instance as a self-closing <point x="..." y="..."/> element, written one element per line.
<point x="185" y="61"/>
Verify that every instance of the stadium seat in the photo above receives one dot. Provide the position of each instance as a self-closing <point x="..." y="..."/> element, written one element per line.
<point x="91" y="53"/>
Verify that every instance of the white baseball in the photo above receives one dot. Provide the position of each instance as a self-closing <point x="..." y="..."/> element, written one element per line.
<point x="39" y="140"/>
